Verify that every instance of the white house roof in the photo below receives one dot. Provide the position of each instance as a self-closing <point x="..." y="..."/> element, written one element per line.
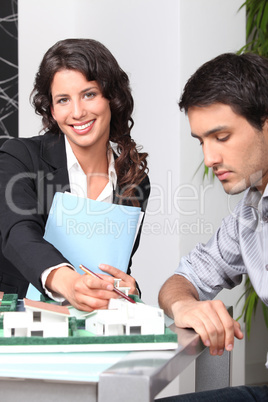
<point x="41" y="306"/>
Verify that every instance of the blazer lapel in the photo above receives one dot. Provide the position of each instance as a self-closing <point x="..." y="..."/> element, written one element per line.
<point x="56" y="177"/>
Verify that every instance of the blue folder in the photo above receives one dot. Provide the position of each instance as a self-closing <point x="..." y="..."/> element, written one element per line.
<point x="91" y="232"/>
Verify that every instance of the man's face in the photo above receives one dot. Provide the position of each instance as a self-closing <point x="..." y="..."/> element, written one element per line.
<point x="235" y="150"/>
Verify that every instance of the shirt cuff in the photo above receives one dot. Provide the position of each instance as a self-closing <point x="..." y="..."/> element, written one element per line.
<point x="54" y="296"/>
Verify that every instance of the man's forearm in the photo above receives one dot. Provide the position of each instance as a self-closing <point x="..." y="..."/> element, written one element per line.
<point x="176" y="288"/>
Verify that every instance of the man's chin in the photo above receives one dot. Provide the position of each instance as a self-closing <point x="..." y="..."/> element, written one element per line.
<point x="234" y="189"/>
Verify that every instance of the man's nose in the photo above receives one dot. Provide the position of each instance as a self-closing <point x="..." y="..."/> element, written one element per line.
<point x="212" y="155"/>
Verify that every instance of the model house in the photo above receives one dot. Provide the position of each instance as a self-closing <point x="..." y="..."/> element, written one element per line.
<point x="51" y="320"/>
<point x="124" y="318"/>
<point x="38" y="319"/>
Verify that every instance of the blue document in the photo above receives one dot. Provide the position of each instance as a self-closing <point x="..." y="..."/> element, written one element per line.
<point x="91" y="232"/>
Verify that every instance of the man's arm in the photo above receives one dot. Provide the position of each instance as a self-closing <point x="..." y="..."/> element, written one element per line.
<point x="210" y="319"/>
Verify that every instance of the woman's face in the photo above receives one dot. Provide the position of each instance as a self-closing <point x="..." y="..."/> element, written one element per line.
<point x="80" y="110"/>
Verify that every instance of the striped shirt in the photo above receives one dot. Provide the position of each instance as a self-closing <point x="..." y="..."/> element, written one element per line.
<point x="240" y="246"/>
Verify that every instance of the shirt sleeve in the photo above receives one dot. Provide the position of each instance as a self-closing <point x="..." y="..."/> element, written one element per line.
<point x="216" y="265"/>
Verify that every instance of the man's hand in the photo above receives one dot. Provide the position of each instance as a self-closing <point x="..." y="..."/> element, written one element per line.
<point x="210" y="320"/>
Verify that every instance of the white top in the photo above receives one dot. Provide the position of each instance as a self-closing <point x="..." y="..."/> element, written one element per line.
<point x="78" y="186"/>
<point x="78" y="179"/>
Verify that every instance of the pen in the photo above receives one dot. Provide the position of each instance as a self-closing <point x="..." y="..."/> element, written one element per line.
<point x="89" y="272"/>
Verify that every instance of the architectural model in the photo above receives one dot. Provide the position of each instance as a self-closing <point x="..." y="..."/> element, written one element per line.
<point x="28" y="326"/>
<point x="51" y="320"/>
<point x="38" y="319"/>
<point x="124" y="318"/>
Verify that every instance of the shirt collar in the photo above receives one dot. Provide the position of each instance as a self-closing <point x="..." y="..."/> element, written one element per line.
<point x="111" y="168"/>
<point x="71" y="158"/>
<point x="258" y="201"/>
<point x="72" y="161"/>
<point x="252" y="197"/>
<point x="265" y="193"/>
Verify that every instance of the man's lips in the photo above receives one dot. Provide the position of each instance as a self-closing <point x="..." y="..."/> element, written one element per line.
<point x="223" y="174"/>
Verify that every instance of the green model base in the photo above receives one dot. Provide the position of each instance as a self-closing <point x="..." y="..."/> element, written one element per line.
<point x="83" y="337"/>
<point x="77" y="333"/>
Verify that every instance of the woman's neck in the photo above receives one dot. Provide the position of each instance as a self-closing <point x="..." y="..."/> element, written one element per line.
<point x="95" y="166"/>
<point x="94" y="163"/>
<point x="92" y="159"/>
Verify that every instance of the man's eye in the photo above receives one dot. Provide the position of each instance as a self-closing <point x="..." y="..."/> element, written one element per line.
<point x="223" y="138"/>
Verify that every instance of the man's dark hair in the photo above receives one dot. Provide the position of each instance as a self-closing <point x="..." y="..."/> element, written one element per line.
<point x="240" y="81"/>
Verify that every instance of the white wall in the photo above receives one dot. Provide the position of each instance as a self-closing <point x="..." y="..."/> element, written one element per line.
<point x="144" y="37"/>
<point x="159" y="43"/>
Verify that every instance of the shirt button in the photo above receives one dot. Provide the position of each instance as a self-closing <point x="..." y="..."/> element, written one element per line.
<point x="266" y="267"/>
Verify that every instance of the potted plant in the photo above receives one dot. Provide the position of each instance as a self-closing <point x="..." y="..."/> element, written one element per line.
<point x="256" y="42"/>
<point x="256" y="27"/>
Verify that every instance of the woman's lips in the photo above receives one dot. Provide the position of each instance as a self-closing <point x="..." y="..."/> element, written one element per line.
<point x="83" y="127"/>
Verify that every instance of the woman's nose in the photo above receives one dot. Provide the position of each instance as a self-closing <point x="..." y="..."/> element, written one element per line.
<point x="78" y="110"/>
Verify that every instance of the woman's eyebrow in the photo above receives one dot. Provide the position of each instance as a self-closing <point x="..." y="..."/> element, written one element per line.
<point x="81" y="92"/>
<point x="89" y="89"/>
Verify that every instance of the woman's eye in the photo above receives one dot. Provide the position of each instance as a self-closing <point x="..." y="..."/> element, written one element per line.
<point x="62" y="100"/>
<point x="89" y="95"/>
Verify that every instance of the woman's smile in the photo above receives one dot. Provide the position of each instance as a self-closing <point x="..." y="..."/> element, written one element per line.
<point x="80" y="110"/>
<point x="83" y="128"/>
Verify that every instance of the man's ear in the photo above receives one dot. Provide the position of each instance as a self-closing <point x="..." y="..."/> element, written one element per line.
<point x="265" y="129"/>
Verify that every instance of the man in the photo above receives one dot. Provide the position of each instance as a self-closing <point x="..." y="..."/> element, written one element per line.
<point x="226" y="101"/>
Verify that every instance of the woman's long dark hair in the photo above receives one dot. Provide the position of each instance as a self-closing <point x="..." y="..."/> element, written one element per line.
<point x="96" y="63"/>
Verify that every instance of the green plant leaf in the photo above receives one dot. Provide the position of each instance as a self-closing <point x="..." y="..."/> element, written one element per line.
<point x="250" y="306"/>
<point x="257" y="42"/>
<point x="264" y="20"/>
<point x="265" y="314"/>
<point x="256" y="27"/>
<point x="250" y="311"/>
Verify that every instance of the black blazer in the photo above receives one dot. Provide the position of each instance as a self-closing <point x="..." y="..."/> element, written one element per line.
<point x="31" y="171"/>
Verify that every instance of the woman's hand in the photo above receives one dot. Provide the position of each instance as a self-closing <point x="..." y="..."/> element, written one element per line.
<point x="126" y="280"/>
<point x="84" y="292"/>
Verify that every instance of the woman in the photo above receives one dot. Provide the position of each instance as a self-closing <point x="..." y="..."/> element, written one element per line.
<point x="85" y="102"/>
